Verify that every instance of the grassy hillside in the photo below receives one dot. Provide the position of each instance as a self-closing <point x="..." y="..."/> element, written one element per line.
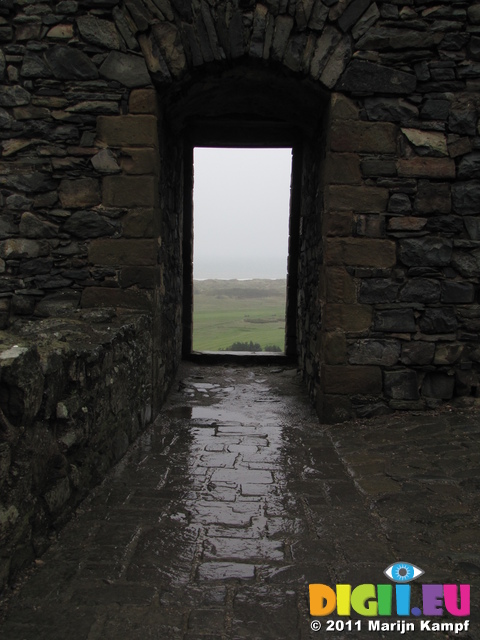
<point x="228" y="311"/>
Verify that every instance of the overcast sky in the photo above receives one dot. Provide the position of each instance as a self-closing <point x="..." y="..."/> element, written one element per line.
<point x="241" y="209"/>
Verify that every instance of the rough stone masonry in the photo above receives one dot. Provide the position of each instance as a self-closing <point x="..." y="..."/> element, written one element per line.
<point x="98" y="101"/>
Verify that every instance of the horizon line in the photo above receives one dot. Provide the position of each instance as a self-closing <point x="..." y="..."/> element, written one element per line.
<point x="238" y="279"/>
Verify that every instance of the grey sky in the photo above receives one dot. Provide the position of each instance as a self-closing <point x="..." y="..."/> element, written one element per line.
<point x="241" y="210"/>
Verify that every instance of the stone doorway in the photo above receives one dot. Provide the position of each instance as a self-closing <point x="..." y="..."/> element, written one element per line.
<point x="241" y="219"/>
<point x="252" y="140"/>
<point x="236" y="111"/>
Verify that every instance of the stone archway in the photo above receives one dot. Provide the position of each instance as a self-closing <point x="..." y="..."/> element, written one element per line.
<point x="253" y="107"/>
<point x="215" y="72"/>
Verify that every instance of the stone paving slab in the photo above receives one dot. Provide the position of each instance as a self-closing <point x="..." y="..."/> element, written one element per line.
<point x="221" y="515"/>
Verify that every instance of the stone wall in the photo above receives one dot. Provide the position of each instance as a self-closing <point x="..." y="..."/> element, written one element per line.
<point x="401" y="314"/>
<point x="101" y="99"/>
<point x="75" y="391"/>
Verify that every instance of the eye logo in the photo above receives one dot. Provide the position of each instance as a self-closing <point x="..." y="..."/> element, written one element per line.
<point x="403" y="572"/>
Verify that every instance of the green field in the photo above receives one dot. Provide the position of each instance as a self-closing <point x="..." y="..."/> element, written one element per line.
<point x="228" y="311"/>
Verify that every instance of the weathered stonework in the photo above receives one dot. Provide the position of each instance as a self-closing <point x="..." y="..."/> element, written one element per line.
<point x="75" y="392"/>
<point x="99" y="104"/>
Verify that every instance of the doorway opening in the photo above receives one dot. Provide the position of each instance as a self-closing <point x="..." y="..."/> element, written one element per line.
<point x="261" y="293"/>
<point x="241" y="206"/>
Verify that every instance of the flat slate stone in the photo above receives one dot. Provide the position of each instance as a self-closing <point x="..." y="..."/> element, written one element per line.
<point x="99" y="32"/>
<point x="417" y="353"/>
<point x="390" y="109"/>
<point x="6" y="119"/>
<point x="33" y="182"/>
<point x="7" y="230"/>
<point x="427" y="143"/>
<point x="472" y="225"/>
<point x="68" y="63"/>
<point x="439" y="321"/>
<point x="469" y="166"/>
<point x="36" y="266"/>
<point x="401" y="385"/>
<point x="352" y="14"/>
<point x="435" y="109"/>
<point x="13" y="96"/>
<point x="127" y="69"/>
<point x="385" y="38"/>
<point x="395" y="321"/>
<point x="16" y="248"/>
<point x="105" y="162"/>
<point x="367" y="77"/>
<point x="423" y="290"/>
<point x="88" y="224"/>
<point x="468" y="265"/>
<point x="445" y="224"/>
<point x="466" y="197"/>
<point x="377" y="290"/>
<point x="35" y="67"/>
<point x="425" y="251"/>
<point x="18" y="202"/>
<point x="399" y="203"/>
<point x="463" y="121"/>
<point x="67" y="6"/>
<point x="31" y="226"/>
<point x="378" y="352"/>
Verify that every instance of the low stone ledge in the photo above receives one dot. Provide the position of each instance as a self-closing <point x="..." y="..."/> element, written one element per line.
<point x="75" y="392"/>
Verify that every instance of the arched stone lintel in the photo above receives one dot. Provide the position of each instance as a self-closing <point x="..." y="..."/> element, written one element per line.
<point x="177" y="48"/>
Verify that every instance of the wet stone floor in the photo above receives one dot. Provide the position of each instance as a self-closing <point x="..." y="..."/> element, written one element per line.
<point x="221" y="515"/>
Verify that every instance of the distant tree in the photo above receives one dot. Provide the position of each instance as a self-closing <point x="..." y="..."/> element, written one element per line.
<point x="243" y="346"/>
<point x="274" y="348"/>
